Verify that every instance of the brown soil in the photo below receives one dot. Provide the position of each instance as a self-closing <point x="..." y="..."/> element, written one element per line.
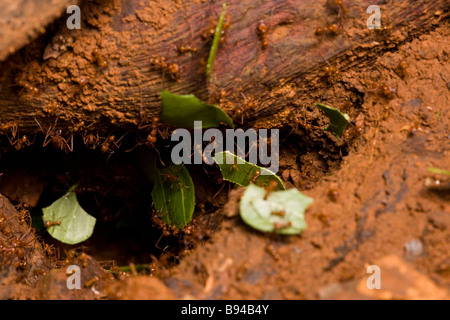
<point x="374" y="200"/>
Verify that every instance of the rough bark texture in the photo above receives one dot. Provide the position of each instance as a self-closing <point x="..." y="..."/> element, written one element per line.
<point x="22" y="21"/>
<point x="76" y="85"/>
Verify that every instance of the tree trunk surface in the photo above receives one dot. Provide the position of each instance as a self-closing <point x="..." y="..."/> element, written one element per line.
<point x="103" y="74"/>
<point x="21" y="21"/>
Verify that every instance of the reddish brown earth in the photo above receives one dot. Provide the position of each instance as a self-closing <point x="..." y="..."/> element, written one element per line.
<point x="374" y="203"/>
<point x="364" y="213"/>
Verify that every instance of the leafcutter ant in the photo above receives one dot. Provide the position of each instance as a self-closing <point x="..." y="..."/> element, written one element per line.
<point x="28" y="86"/>
<point x="18" y="143"/>
<point x="262" y="33"/>
<point x="54" y="136"/>
<point x="273" y="185"/>
<point x="99" y="58"/>
<point x="49" y="224"/>
<point x="173" y="69"/>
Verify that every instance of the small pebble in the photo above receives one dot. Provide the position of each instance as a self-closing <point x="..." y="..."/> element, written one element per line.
<point x="296" y="250"/>
<point x="414" y="248"/>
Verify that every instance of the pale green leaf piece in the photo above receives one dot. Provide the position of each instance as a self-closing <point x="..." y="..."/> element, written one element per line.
<point x="338" y="120"/>
<point x="243" y="173"/>
<point x="215" y="44"/>
<point x="279" y="212"/>
<point x="182" y="110"/>
<point x="439" y="171"/>
<point x="173" y="195"/>
<point x="76" y="224"/>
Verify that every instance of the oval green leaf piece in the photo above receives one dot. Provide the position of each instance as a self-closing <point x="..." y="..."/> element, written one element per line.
<point x="174" y="195"/>
<point x="182" y="110"/>
<point x="76" y="224"/>
<point x="338" y="120"/>
<point x="243" y="173"/>
<point x="281" y="212"/>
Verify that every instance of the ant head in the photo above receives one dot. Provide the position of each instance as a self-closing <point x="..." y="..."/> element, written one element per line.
<point x="262" y="26"/>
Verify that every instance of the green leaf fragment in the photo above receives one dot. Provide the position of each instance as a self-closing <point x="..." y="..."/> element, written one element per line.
<point x="182" y="110"/>
<point x="173" y="195"/>
<point x="215" y="44"/>
<point x="281" y="212"/>
<point x="243" y="173"/>
<point x="76" y="224"/>
<point x="338" y="120"/>
<point x="440" y="171"/>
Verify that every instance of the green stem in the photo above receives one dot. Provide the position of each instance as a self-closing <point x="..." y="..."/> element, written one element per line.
<point x="215" y="44"/>
<point x="138" y="267"/>
<point x="440" y="171"/>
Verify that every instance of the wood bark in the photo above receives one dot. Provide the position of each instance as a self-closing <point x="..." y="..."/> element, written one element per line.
<point x="74" y="84"/>
<point x="22" y="21"/>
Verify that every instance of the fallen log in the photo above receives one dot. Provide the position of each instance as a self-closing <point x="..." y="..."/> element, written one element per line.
<point x="108" y="75"/>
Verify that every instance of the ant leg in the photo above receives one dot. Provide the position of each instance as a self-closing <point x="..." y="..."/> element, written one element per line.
<point x="14" y="130"/>
<point x="39" y="125"/>
<point x="12" y="141"/>
<point x="30" y="143"/>
<point x="46" y="139"/>
<point x="254" y="144"/>
<point x="71" y="143"/>
<point x="217" y="193"/>
<point x="156" y="244"/>
<point x="116" y="143"/>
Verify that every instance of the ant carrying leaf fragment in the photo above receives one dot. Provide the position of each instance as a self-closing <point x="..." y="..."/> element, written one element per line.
<point x="67" y="221"/>
<point x="243" y="173"/>
<point x="173" y="195"/>
<point x="338" y="120"/>
<point x="279" y="212"/>
<point x="182" y="111"/>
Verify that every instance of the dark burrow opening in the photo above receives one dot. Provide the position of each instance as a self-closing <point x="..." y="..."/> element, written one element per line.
<point x="114" y="188"/>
